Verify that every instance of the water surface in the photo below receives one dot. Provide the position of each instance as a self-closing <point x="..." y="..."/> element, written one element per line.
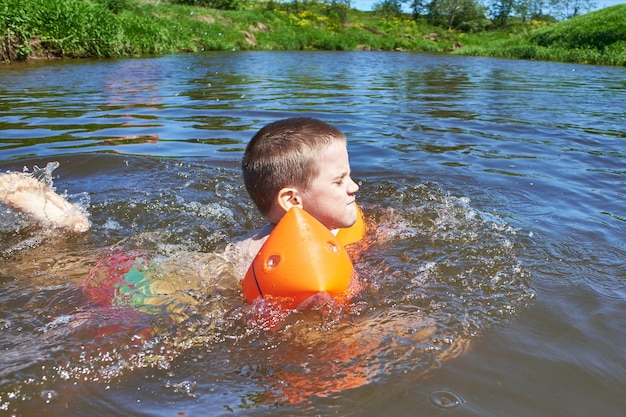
<point x="494" y="284"/>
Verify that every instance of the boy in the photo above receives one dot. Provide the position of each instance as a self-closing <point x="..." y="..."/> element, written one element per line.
<point x="299" y="162"/>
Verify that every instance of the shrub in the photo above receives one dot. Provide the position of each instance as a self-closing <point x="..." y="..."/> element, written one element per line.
<point x="213" y="4"/>
<point x="116" y="6"/>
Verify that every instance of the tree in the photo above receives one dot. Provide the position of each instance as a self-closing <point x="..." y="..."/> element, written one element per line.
<point x="452" y="13"/>
<point x="389" y="8"/>
<point x="524" y="9"/>
<point x="418" y="8"/>
<point x="338" y="9"/>
<point x="500" y="11"/>
<point x="566" y="9"/>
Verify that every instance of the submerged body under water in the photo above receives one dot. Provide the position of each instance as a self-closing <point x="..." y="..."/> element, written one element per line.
<point x="492" y="282"/>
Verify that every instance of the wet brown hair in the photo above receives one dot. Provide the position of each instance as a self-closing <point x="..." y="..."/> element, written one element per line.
<point x="284" y="154"/>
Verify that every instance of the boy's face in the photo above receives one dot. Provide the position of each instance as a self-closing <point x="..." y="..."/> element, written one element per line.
<point x="331" y="195"/>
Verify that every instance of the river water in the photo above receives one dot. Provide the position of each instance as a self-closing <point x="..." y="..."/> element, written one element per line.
<point x="494" y="193"/>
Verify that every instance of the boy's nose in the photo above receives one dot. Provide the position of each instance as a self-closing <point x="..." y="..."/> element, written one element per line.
<point x="354" y="187"/>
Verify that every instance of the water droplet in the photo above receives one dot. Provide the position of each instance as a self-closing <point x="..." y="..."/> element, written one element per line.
<point x="49" y="395"/>
<point x="272" y="262"/>
<point x="445" y="400"/>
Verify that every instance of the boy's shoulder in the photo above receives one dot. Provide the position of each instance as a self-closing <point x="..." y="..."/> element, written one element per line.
<point x="242" y="252"/>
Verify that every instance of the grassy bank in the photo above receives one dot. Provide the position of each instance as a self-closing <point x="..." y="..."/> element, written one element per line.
<point x="111" y="28"/>
<point x="594" y="38"/>
<point x="85" y="28"/>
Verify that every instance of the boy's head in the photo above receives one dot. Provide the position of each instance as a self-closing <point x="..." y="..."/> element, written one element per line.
<point x="303" y="162"/>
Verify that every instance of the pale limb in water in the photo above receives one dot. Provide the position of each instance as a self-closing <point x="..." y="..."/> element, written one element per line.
<point x="38" y="199"/>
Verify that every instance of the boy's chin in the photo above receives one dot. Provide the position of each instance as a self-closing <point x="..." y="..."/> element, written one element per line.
<point x="353" y="216"/>
<point x="349" y="222"/>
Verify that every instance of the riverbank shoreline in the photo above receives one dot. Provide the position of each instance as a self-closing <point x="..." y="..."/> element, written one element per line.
<point x="80" y="29"/>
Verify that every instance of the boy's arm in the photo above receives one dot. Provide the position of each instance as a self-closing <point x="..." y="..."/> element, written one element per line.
<point x="38" y="200"/>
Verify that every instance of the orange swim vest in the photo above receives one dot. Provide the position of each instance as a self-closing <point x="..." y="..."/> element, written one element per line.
<point x="301" y="258"/>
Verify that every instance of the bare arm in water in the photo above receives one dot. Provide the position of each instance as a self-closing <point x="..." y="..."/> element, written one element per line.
<point x="38" y="200"/>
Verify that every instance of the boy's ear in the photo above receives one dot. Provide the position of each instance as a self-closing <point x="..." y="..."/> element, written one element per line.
<point x="289" y="197"/>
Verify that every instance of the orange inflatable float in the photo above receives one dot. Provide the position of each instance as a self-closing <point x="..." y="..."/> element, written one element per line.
<point x="301" y="258"/>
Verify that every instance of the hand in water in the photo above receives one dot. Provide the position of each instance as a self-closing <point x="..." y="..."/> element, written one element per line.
<point x="38" y="200"/>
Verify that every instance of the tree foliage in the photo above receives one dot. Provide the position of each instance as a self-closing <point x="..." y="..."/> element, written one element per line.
<point x="451" y="14"/>
<point x="502" y="11"/>
<point x="213" y="4"/>
<point x="389" y="8"/>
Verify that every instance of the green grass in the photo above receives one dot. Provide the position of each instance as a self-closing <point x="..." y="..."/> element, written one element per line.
<point x="108" y="28"/>
<point x="61" y="27"/>
<point x="113" y="28"/>
<point x="595" y="38"/>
